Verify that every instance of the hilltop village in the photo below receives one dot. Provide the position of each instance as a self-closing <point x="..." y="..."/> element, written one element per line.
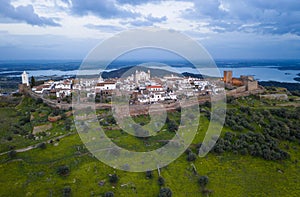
<point x="142" y="87"/>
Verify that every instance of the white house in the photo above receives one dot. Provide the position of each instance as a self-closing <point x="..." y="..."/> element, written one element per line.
<point x="66" y="84"/>
<point x="63" y="93"/>
<point x="155" y="97"/>
<point x="155" y="88"/>
<point x="108" y="85"/>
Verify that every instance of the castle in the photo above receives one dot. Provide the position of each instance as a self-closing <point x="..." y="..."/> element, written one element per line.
<point x="244" y="83"/>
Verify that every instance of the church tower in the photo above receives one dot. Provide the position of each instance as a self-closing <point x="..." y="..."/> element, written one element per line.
<point x="25" y="79"/>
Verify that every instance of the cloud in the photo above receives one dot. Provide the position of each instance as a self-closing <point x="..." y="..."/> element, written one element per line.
<point x="272" y="17"/>
<point x="145" y="21"/>
<point x="104" y="28"/>
<point x="156" y="19"/>
<point x="25" y="14"/>
<point x="103" y="9"/>
<point x="137" y="2"/>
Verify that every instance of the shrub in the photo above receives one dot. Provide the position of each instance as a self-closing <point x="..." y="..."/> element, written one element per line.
<point x="188" y="151"/>
<point x="110" y="119"/>
<point x="30" y="136"/>
<point x="203" y="180"/>
<point x="63" y="170"/>
<point x="39" y="101"/>
<point x="113" y="178"/>
<point x="207" y="104"/>
<point x="244" y="151"/>
<point x="149" y="174"/>
<point x="192" y="156"/>
<point x="229" y="136"/>
<point x="42" y="145"/>
<point x="165" y="192"/>
<point x="237" y="128"/>
<point x="9" y="138"/>
<point x="141" y="133"/>
<point x="67" y="191"/>
<point x="161" y="181"/>
<point x="12" y="154"/>
<point x="109" y="194"/>
<point x="56" y="112"/>
<point x="172" y="126"/>
<point x="218" y="148"/>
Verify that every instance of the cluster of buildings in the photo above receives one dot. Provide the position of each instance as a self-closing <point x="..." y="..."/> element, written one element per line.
<point x="146" y="89"/>
<point x="142" y="87"/>
<point x="57" y="89"/>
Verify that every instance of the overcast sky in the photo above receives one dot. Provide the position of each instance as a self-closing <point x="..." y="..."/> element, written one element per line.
<point x="69" y="29"/>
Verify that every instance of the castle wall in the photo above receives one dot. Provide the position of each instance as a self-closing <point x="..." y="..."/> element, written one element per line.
<point x="241" y="89"/>
<point x="252" y="85"/>
<point x="283" y="97"/>
<point x="23" y="88"/>
<point x="237" y="82"/>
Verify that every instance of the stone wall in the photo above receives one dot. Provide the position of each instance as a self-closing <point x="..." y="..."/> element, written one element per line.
<point x="282" y="97"/>
<point x="252" y="85"/>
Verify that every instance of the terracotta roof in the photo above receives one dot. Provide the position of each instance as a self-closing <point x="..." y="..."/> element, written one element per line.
<point x="156" y="86"/>
<point x="105" y="83"/>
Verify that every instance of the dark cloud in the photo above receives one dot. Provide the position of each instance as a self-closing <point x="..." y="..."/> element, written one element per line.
<point x="25" y="14"/>
<point x="103" y="8"/>
<point x="274" y="17"/>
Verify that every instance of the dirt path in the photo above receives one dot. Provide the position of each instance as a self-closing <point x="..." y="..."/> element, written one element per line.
<point x="21" y="150"/>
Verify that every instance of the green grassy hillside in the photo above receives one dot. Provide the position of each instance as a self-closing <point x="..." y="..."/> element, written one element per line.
<point x="239" y="164"/>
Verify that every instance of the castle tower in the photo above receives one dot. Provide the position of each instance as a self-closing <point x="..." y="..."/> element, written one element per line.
<point x="227" y="76"/>
<point x="25" y="79"/>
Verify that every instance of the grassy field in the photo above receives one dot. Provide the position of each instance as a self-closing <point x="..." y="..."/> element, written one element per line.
<point x="34" y="173"/>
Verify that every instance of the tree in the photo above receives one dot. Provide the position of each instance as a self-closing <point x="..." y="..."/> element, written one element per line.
<point x="149" y="174"/>
<point x="9" y="138"/>
<point x="165" y="192"/>
<point x="141" y="133"/>
<point x="32" y="81"/>
<point x="110" y="119"/>
<point x="113" y="178"/>
<point x="203" y="180"/>
<point x="109" y="194"/>
<point x="191" y="157"/>
<point x="12" y="154"/>
<point x="68" y="124"/>
<point x="63" y="170"/>
<point x="67" y="191"/>
<point x="172" y="126"/>
<point x="161" y="181"/>
<point x="39" y="101"/>
<point x="42" y="145"/>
